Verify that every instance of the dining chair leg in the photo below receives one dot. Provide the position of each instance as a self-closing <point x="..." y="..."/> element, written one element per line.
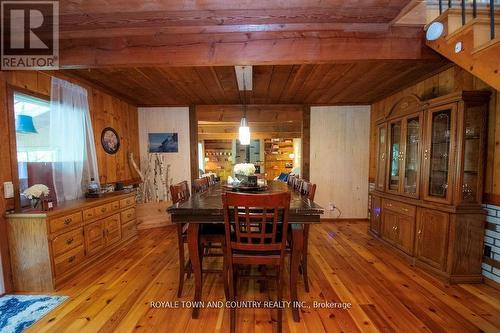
<point x="182" y="264"/>
<point x="304" y="258"/>
<point x="279" y="286"/>
<point x="225" y="271"/>
<point x="232" y="297"/>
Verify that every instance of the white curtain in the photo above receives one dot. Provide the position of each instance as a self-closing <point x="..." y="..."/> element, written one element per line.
<point x="72" y="140"/>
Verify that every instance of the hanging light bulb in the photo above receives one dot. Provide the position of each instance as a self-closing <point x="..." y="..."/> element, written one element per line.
<point x="244" y="130"/>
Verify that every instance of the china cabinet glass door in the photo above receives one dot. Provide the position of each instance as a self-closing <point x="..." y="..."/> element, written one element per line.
<point x="411" y="156"/>
<point x="472" y="152"/>
<point x="381" y="151"/>
<point x="437" y="154"/>
<point x="395" y="157"/>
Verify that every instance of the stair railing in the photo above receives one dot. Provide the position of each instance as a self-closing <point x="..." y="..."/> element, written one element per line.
<point x="463" y="11"/>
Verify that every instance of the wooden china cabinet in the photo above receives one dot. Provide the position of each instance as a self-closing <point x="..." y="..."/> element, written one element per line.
<point x="429" y="183"/>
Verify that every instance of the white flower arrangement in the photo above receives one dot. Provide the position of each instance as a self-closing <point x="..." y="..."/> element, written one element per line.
<point x="36" y="191"/>
<point x="246" y="169"/>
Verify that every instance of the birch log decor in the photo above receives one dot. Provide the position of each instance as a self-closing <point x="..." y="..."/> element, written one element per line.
<point x="156" y="179"/>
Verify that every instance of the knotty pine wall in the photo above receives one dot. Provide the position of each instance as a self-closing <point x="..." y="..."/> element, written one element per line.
<point x="106" y="111"/>
<point x="448" y="81"/>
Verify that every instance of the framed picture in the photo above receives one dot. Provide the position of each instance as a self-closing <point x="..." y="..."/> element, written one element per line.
<point x="163" y="143"/>
<point x="110" y="140"/>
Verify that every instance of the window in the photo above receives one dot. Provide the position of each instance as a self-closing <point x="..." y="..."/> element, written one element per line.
<point x="34" y="156"/>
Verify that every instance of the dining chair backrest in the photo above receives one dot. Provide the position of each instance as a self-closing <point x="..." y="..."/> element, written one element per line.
<point x="211" y="180"/>
<point x="290" y="180"/>
<point x="179" y="192"/>
<point x="297" y="185"/>
<point x="256" y="223"/>
<point x="308" y="189"/>
<point x="200" y="185"/>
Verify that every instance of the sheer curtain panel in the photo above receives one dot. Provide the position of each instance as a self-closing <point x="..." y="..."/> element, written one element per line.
<point x="72" y="140"/>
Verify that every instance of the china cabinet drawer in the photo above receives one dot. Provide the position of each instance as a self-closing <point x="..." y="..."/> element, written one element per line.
<point x="129" y="230"/>
<point x="67" y="241"/>
<point x="101" y="210"/>
<point x="70" y="259"/>
<point x="127" y="202"/>
<point x="128" y="215"/>
<point x="400" y="207"/>
<point x="65" y="222"/>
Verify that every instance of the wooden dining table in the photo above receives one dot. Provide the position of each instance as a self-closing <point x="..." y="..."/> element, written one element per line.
<point x="206" y="208"/>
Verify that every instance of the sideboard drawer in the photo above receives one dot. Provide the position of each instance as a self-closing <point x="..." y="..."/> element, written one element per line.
<point x="127" y="202"/>
<point x="67" y="241"/>
<point x="88" y="214"/>
<point x="129" y="230"/>
<point x="400" y="207"/>
<point x="70" y="259"/>
<point x="115" y="205"/>
<point x="65" y="222"/>
<point x="102" y="209"/>
<point x="128" y="215"/>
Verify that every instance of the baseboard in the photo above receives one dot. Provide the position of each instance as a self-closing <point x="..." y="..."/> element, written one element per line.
<point x="491" y="283"/>
<point x="342" y="219"/>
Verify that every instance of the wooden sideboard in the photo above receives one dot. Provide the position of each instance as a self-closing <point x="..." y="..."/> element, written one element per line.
<point x="49" y="247"/>
<point x="429" y="183"/>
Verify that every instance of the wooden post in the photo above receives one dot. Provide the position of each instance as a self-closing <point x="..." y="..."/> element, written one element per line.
<point x="193" y="141"/>
<point x="306" y="138"/>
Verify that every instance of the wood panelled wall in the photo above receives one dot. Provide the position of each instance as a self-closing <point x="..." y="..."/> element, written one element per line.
<point x="450" y="80"/>
<point x="106" y="111"/>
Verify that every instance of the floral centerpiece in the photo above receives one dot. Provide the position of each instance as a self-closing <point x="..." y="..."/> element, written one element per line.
<point x="35" y="193"/>
<point x="245" y="172"/>
<point x="245" y="169"/>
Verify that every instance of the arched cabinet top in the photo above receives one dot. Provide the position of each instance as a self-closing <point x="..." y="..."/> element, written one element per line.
<point x="405" y="106"/>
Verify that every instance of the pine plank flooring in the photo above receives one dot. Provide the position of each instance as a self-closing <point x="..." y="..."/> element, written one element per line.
<point x="346" y="265"/>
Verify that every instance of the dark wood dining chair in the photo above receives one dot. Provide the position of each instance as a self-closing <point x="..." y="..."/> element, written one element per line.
<point x="200" y="185"/>
<point x="256" y="228"/>
<point x="180" y="192"/>
<point x="211" y="237"/>
<point x="308" y="190"/>
<point x="297" y="185"/>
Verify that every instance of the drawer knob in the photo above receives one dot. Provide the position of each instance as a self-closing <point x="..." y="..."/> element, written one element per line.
<point x="69" y="241"/>
<point x="71" y="259"/>
<point x="405" y="209"/>
<point x="68" y="221"/>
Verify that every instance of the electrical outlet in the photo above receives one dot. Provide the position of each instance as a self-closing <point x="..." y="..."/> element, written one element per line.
<point x="331" y="206"/>
<point x="8" y="190"/>
<point x="487" y="251"/>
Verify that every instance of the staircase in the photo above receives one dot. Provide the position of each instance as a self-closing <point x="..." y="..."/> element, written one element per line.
<point x="471" y="36"/>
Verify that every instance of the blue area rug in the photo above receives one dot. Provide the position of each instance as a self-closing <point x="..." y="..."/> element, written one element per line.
<point x="18" y="312"/>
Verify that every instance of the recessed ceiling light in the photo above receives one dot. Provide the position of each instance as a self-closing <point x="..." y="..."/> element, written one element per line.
<point x="459" y="46"/>
<point x="434" y="31"/>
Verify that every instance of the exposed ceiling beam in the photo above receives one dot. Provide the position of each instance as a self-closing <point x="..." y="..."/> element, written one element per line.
<point x="244" y="48"/>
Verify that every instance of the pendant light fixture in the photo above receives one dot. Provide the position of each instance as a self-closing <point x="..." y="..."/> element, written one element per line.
<point x="244" y="130"/>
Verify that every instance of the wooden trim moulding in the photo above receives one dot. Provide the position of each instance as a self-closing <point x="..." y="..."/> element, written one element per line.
<point x="306" y="141"/>
<point x="193" y="141"/>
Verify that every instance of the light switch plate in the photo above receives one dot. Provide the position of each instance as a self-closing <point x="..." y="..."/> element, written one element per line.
<point x="8" y="190"/>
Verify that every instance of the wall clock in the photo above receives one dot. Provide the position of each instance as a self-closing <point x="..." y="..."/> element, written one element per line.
<point x="110" y="140"/>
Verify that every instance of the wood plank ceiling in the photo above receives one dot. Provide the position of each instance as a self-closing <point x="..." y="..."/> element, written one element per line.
<point x="340" y="83"/>
<point x="140" y="33"/>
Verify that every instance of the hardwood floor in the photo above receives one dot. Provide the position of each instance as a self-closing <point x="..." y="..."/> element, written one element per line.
<point x="345" y="265"/>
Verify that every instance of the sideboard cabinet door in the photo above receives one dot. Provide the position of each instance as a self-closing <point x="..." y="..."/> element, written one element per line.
<point x="432" y="237"/>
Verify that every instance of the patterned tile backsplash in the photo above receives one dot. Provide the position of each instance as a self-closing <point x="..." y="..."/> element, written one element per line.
<point x="492" y="239"/>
